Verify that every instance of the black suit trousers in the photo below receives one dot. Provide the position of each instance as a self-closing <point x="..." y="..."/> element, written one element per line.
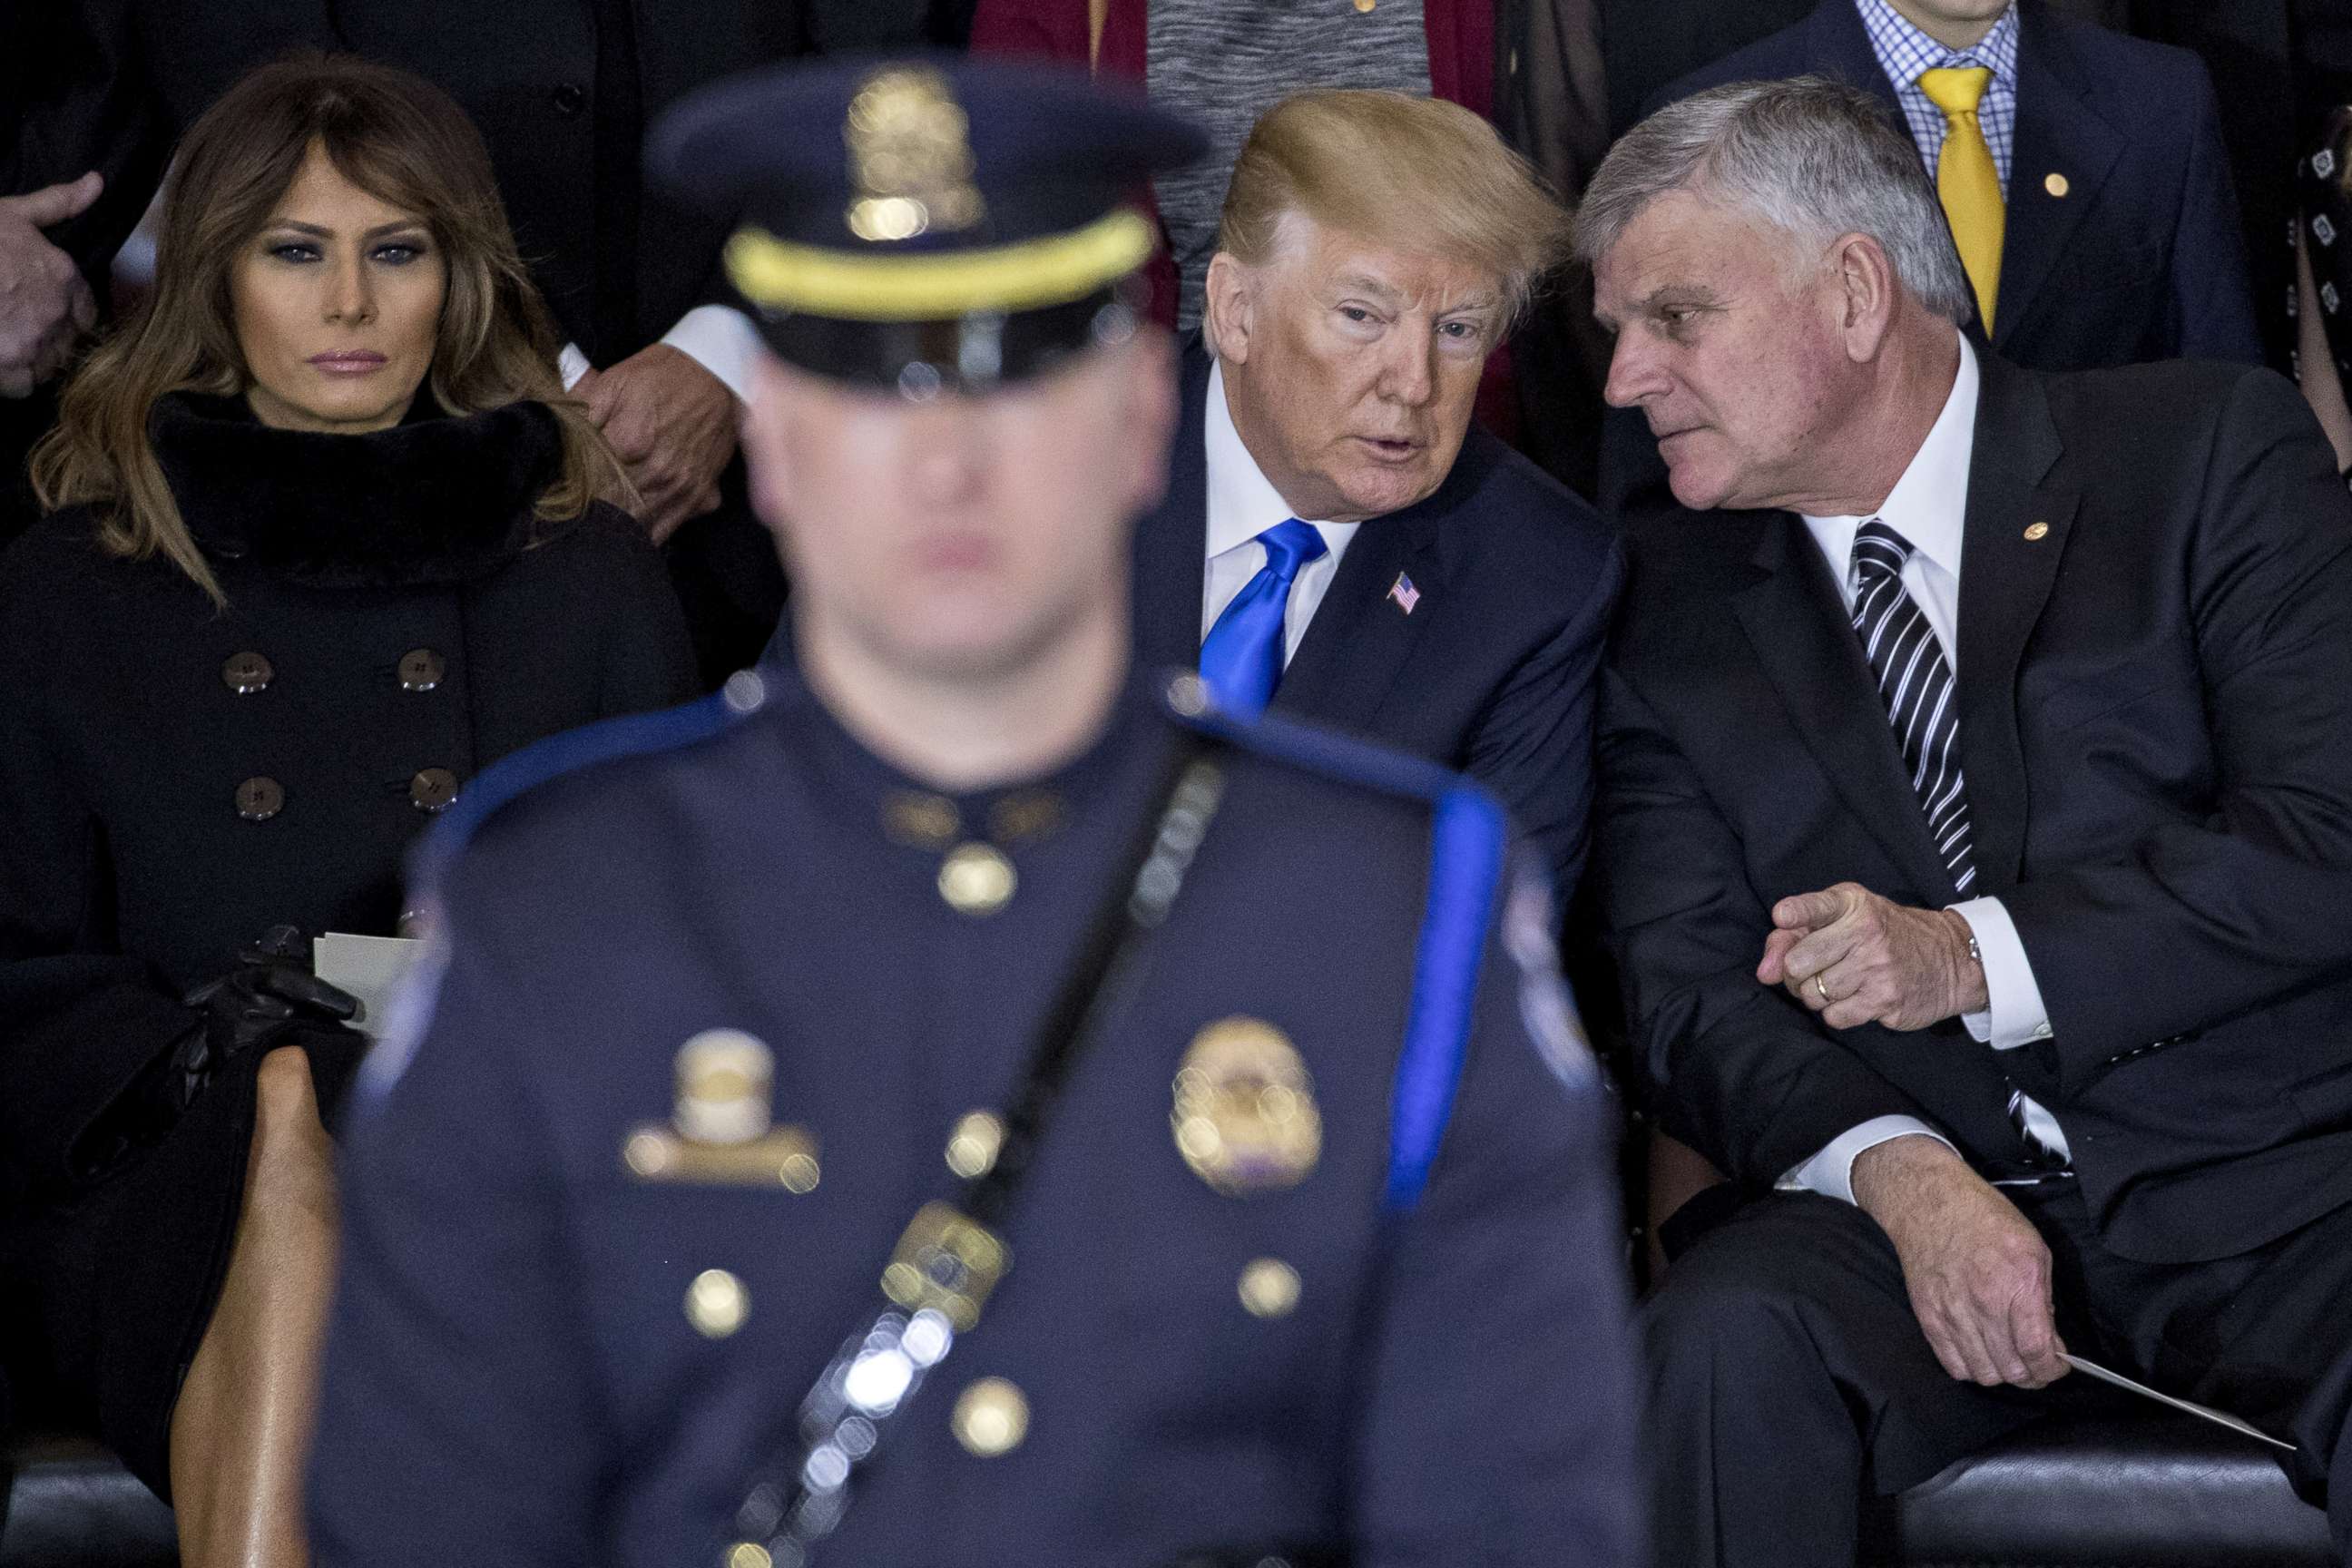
<point x="1787" y="1371"/>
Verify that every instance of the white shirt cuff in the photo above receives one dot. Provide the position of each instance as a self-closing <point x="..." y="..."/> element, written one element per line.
<point x="721" y="340"/>
<point x="572" y="364"/>
<point x="2016" y="1015"/>
<point x="1830" y="1172"/>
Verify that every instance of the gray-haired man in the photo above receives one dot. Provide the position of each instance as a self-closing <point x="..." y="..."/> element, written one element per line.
<point x="1993" y="938"/>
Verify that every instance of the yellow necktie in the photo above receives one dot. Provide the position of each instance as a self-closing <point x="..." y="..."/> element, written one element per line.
<point x="1967" y="181"/>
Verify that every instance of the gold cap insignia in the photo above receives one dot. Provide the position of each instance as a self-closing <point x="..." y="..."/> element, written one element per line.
<point x="911" y="157"/>
<point x="719" y="1129"/>
<point x="1245" y="1118"/>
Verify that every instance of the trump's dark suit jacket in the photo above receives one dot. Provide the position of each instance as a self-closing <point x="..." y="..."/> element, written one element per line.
<point x="2155" y="727"/>
<point x="1490" y="673"/>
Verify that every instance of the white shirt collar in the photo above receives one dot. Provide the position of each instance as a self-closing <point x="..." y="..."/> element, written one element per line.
<point x="1930" y="504"/>
<point x="1242" y="502"/>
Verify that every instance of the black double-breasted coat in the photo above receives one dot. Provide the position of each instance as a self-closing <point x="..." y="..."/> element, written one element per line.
<point x="177" y="775"/>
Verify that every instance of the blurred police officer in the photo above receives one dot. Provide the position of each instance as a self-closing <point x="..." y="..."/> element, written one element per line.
<point x="956" y="1100"/>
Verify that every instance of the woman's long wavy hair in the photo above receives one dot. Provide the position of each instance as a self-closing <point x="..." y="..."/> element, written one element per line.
<point x="404" y="141"/>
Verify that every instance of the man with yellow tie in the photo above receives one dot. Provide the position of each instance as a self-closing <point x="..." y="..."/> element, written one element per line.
<point x="2082" y="170"/>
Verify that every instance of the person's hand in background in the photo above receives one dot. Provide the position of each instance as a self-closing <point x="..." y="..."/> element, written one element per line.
<point x="672" y="424"/>
<point x="45" y="304"/>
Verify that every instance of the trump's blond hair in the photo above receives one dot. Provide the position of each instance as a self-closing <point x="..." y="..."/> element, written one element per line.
<point x="1415" y="175"/>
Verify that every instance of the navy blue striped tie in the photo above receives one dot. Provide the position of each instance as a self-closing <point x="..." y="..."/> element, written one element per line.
<point x="1914" y="681"/>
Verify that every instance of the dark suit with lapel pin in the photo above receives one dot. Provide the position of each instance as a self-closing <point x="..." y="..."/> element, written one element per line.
<point x="2154" y="676"/>
<point x="2137" y="255"/>
<point x="2122" y="242"/>
<point x="1491" y="669"/>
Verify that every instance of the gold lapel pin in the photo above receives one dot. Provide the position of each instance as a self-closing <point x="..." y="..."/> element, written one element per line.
<point x="2055" y="184"/>
<point x="2037" y="532"/>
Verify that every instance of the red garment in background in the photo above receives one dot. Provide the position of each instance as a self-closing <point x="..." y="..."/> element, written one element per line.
<point x="1461" y="35"/>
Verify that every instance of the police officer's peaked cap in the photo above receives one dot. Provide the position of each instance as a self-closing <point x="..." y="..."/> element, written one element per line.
<point x="928" y="221"/>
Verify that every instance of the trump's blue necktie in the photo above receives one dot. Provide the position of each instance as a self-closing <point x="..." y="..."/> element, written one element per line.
<point x="1240" y="659"/>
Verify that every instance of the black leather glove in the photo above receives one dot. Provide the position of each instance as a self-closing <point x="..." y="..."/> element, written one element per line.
<point x="270" y="999"/>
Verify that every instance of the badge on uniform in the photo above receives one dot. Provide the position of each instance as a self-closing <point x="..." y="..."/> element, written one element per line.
<point x="1245" y="1118"/>
<point x="718" y="1130"/>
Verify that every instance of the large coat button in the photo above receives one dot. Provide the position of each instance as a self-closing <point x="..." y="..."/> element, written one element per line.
<point x="432" y="789"/>
<point x="421" y="669"/>
<point x="245" y="673"/>
<point x="259" y="799"/>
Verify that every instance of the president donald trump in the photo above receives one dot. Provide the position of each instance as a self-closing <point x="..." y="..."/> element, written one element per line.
<point x="1338" y="537"/>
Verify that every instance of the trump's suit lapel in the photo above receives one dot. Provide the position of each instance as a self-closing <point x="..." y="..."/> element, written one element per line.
<point x="1806" y="647"/>
<point x="2063" y="152"/>
<point x="1389" y="585"/>
<point x="2016" y="536"/>
<point x="1171" y="539"/>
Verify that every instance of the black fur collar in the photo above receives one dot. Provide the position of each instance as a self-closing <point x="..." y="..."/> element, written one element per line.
<point x="435" y="499"/>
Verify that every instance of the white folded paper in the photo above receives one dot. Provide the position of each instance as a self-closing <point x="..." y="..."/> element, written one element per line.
<point x="369" y="967"/>
<point x="2218" y="1417"/>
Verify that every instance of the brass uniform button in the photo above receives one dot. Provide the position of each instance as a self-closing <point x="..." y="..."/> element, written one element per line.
<point x="433" y="790"/>
<point x="976" y="880"/>
<point x="2055" y="184"/>
<point x="259" y="799"/>
<point x="750" y="1554"/>
<point x="971" y="1148"/>
<point x="991" y="1417"/>
<point x="421" y="669"/>
<point x="247" y="673"/>
<point x="1269" y="1288"/>
<point x="2037" y="532"/>
<point x="716" y="1304"/>
<point x="1366" y="5"/>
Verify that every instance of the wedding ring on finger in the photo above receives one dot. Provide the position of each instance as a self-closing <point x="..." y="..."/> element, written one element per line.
<point x="1820" y="990"/>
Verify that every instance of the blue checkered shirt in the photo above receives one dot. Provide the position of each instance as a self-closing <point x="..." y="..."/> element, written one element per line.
<point x="1903" y="51"/>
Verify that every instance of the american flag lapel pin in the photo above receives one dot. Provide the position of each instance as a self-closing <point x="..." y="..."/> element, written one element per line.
<point x="1403" y="595"/>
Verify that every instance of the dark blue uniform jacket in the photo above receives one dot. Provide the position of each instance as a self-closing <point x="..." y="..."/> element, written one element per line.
<point x="512" y="1376"/>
